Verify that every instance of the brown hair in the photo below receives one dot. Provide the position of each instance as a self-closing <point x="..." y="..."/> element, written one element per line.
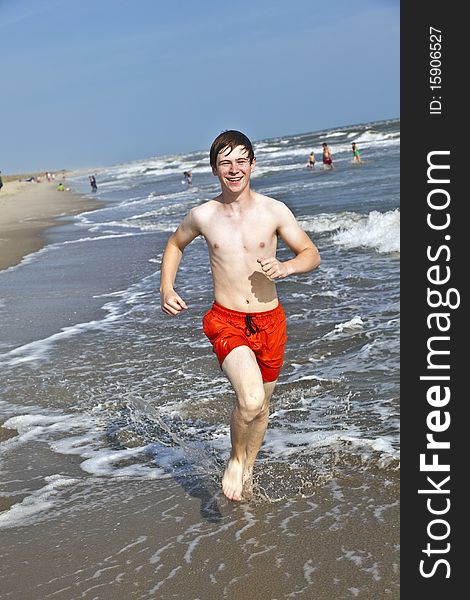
<point x="230" y="139"/>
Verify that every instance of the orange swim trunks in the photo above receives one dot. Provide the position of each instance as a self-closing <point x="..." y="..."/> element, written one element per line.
<point x="263" y="332"/>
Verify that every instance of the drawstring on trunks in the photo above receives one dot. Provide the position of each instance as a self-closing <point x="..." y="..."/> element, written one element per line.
<point x="251" y="326"/>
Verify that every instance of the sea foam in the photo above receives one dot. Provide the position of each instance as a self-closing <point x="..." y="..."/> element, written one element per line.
<point x="379" y="231"/>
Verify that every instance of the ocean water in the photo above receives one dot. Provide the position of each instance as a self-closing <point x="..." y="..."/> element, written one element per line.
<point x="119" y="415"/>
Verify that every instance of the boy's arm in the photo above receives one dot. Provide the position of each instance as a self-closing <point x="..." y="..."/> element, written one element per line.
<point x="171" y="302"/>
<point x="306" y="253"/>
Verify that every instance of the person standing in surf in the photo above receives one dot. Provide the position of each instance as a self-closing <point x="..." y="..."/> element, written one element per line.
<point x="92" y="180"/>
<point x="327" y="157"/>
<point x="311" y="160"/>
<point x="188" y="178"/>
<point x="246" y="323"/>
<point x="355" y="151"/>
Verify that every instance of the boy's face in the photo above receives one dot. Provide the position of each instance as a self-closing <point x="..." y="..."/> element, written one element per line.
<point x="234" y="169"/>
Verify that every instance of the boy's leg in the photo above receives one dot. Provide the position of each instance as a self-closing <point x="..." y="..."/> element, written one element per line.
<point x="256" y="436"/>
<point x="249" y="417"/>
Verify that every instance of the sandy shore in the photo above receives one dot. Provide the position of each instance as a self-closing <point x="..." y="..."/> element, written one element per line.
<point x="26" y="210"/>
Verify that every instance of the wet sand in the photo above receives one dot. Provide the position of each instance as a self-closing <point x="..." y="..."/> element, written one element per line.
<point x="149" y="540"/>
<point x="27" y="210"/>
<point x="6" y="434"/>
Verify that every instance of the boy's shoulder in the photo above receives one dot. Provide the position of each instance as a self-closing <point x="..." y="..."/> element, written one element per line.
<point x="204" y="211"/>
<point x="267" y="201"/>
<point x="274" y="206"/>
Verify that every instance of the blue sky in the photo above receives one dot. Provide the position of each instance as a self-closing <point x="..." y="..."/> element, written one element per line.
<point x="88" y="83"/>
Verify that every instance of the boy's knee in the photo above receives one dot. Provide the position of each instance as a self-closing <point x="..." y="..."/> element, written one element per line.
<point x="252" y="404"/>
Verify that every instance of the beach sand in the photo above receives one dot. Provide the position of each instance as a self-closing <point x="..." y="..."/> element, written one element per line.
<point x="154" y="540"/>
<point x="27" y="209"/>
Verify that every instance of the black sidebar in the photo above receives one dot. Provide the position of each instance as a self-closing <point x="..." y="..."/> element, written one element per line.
<point x="435" y="438"/>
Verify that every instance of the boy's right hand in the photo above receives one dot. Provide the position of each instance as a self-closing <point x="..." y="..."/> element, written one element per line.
<point x="171" y="303"/>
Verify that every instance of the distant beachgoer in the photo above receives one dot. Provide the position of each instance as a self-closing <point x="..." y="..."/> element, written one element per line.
<point x="327" y="157"/>
<point x="311" y="160"/>
<point x="246" y="324"/>
<point x="60" y="187"/>
<point x="188" y="177"/>
<point x="356" y="157"/>
<point x="1" y="180"/>
<point x="92" y="181"/>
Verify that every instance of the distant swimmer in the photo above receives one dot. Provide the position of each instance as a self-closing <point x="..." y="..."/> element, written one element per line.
<point x="311" y="160"/>
<point x="356" y="157"/>
<point x="92" y="181"/>
<point x="188" y="178"/>
<point x="327" y="157"/>
<point x="246" y="325"/>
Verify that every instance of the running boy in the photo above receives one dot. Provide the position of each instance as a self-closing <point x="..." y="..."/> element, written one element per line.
<point x="246" y="324"/>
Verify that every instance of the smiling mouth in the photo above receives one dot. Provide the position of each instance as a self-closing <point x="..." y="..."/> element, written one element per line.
<point x="234" y="178"/>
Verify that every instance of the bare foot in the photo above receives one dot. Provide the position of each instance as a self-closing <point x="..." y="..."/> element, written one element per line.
<point x="232" y="482"/>
<point x="248" y="484"/>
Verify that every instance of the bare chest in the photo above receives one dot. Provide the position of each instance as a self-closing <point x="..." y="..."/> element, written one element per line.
<point x="241" y="237"/>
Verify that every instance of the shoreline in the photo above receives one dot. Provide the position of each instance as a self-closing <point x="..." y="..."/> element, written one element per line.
<point x="27" y="210"/>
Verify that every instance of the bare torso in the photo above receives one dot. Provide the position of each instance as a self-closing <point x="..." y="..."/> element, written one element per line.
<point x="237" y="237"/>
